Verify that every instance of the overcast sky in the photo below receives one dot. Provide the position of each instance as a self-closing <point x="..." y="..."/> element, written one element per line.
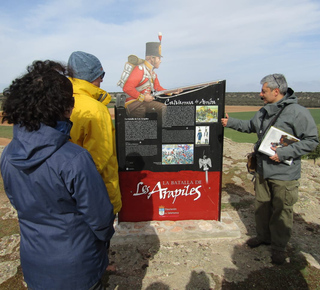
<point x="239" y="41"/>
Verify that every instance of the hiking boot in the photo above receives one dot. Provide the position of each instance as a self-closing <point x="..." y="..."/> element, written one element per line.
<point x="255" y="242"/>
<point x="278" y="257"/>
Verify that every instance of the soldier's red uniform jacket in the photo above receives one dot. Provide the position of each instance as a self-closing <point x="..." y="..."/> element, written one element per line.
<point x="142" y="80"/>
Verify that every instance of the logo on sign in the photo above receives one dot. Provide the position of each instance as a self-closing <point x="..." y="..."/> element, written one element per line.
<point x="165" y="193"/>
<point x="161" y="210"/>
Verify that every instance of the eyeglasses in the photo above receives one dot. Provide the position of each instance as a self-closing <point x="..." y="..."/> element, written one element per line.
<point x="276" y="81"/>
<point x="102" y="76"/>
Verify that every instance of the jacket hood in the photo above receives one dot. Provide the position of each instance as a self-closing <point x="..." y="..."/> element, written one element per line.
<point x="289" y="98"/>
<point x="30" y="149"/>
<point x="84" y="87"/>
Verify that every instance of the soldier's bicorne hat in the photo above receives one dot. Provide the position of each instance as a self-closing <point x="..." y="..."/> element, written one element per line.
<point x="153" y="49"/>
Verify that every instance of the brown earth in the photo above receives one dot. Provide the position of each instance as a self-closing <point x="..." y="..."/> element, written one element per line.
<point x="4" y="141"/>
<point x="225" y="263"/>
<point x="236" y="109"/>
<point x="205" y="264"/>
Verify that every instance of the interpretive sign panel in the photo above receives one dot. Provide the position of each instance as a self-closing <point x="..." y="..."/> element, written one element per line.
<point x="170" y="164"/>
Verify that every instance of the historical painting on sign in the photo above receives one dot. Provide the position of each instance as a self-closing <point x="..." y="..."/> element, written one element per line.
<point x="206" y="114"/>
<point x="177" y="154"/>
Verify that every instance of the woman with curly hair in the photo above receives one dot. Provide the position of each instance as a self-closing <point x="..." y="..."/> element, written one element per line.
<point x="65" y="215"/>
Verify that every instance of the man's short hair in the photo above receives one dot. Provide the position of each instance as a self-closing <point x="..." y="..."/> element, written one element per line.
<point x="276" y="81"/>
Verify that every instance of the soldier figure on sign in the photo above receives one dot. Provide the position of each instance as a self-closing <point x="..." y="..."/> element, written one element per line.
<point x="142" y="82"/>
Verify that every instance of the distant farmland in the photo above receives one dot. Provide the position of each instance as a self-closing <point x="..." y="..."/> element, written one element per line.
<point x="309" y="100"/>
<point x="306" y="99"/>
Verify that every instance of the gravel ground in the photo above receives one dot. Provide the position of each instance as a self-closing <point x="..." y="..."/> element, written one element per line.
<point x="205" y="264"/>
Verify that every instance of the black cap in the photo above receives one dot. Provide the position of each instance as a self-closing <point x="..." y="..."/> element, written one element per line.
<point x="153" y="49"/>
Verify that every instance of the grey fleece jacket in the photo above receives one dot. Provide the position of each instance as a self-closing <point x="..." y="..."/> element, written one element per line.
<point x="295" y="120"/>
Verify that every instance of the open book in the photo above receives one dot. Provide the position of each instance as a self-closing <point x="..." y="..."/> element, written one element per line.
<point x="276" y="138"/>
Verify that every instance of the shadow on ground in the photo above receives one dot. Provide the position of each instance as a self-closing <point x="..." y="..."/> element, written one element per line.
<point x="297" y="272"/>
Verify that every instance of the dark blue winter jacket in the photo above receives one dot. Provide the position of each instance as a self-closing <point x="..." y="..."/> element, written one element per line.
<point x="64" y="211"/>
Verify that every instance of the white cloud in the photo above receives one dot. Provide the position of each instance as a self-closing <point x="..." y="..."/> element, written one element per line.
<point x="240" y="41"/>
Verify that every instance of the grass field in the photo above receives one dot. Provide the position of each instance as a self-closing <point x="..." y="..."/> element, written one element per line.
<point x="6" y="131"/>
<point x="238" y="136"/>
<point x="252" y="138"/>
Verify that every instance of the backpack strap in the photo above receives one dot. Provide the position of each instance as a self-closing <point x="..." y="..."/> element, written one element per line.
<point x="149" y="83"/>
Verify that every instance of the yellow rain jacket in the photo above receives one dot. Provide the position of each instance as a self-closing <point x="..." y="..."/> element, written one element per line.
<point x="93" y="130"/>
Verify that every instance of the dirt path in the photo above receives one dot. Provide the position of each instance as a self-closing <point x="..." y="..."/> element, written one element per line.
<point x="236" y="109"/>
<point x="4" y="141"/>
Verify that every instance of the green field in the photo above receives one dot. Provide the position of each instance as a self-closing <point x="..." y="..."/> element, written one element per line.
<point x="252" y="138"/>
<point x="6" y="132"/>
<point x="238" y="136"/>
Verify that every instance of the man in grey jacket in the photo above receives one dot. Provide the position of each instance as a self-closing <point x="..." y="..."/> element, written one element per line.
<point x="276" y="183"/>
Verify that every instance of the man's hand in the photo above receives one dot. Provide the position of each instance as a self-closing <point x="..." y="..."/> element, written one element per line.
<point x="274" y="157"/>
<point x="178" y="91"/>
<point x="148" y="98"/>
<point x="224" y="121"/>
